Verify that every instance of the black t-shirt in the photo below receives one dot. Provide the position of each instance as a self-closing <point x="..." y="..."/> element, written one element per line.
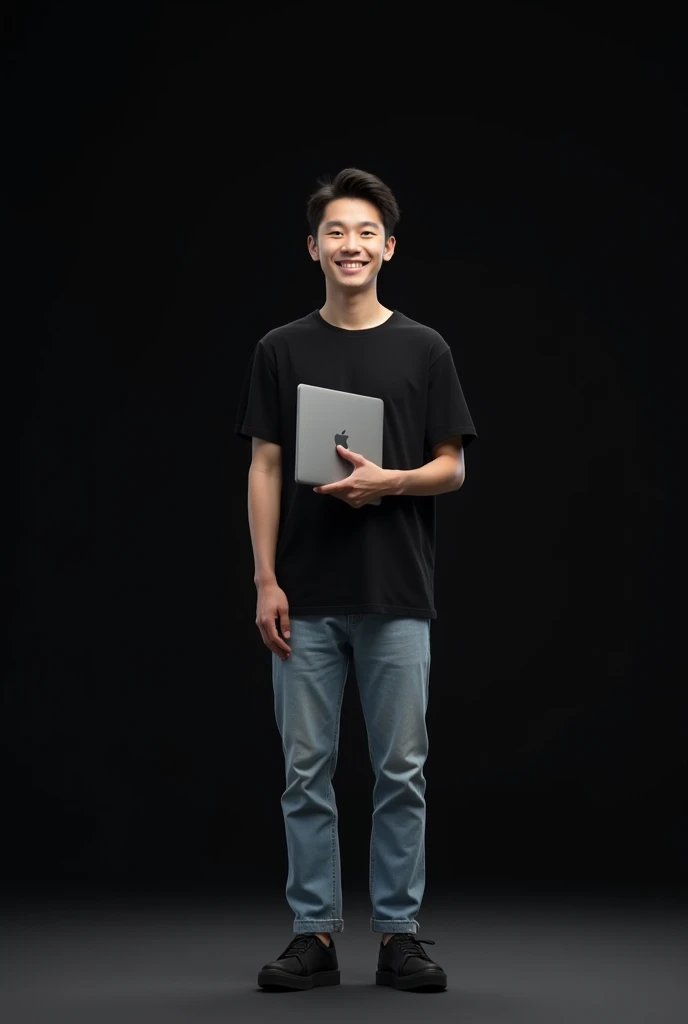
<point x="333" y="559"/>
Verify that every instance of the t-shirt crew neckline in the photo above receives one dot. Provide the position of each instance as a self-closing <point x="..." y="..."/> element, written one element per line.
<point x="389" y="322"/>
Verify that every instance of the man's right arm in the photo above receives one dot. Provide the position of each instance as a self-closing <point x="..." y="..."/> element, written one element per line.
<point x="264" y="493"/>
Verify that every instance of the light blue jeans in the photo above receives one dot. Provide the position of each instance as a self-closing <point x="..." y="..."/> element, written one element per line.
<point x="392" y="662"/>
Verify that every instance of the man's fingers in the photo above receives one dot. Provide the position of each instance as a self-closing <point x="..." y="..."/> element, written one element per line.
<point x="337" y="494"/>
<point x="277" y="644"/>
<point x="272" y="639"/>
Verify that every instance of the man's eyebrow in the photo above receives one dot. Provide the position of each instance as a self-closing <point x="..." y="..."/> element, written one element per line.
<point x="340" y="224"/>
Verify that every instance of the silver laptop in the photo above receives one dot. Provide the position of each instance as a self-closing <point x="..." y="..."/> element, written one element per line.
<point x="326" y="418"/>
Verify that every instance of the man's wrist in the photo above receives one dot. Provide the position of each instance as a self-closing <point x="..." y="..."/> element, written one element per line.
<point x="261" y="579"/>
<point x="395" y="481"/>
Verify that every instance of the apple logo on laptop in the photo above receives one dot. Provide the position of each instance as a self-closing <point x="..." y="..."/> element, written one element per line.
<point x="341" y="439"/>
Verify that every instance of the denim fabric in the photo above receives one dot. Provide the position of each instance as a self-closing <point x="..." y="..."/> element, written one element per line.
<point x="392" y="662"/>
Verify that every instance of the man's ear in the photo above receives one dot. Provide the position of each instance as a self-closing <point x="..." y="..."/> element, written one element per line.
<point x="389" y="248"/>
<point x="313" y="248"/>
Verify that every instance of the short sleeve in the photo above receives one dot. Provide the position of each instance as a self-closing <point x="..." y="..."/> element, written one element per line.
<point x="447" y="413"/>
<point x="258" y="411"/>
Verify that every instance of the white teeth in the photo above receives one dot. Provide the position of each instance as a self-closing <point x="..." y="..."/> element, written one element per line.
<point x="351" y="266"/>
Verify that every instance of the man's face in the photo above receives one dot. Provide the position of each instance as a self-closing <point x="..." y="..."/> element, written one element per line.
<point x="351" y="245"/>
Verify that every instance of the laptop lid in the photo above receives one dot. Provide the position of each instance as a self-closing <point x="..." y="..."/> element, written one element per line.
<point x="326" y="418"/>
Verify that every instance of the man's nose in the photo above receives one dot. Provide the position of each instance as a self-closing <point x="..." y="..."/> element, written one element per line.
<point x="351" y="244"/>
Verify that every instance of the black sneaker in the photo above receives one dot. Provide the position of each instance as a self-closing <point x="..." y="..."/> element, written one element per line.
<point x="306" y="963"/>
<point x="404" y="964"/>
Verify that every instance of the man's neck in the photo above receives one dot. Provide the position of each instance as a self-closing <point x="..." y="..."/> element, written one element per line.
<point x="357" y="312"/>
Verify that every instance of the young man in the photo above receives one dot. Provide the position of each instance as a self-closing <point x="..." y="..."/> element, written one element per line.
<point x="339" y="578"/>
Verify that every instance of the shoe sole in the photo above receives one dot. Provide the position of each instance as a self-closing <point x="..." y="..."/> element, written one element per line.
<point x="281" y="979"/>
<point x="435" y="982"/>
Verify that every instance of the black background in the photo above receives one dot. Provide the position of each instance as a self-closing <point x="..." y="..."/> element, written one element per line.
<point x="160" y="157"/>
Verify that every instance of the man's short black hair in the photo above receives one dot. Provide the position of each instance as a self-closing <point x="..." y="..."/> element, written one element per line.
<point x="353" y="184"/>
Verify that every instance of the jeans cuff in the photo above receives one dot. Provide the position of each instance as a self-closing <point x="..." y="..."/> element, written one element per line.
<point x="332" y="924"/>
<point x="376" y="925"/>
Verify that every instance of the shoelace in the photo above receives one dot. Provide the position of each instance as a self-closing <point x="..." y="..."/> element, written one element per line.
<point x="299" y="944"/>
<point x="410" y="945"/>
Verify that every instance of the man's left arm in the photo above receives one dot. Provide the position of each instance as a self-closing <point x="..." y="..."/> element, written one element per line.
<point x="445" y="472"/>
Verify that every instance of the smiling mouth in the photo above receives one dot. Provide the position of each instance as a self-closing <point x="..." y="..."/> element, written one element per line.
<point x="352" y="264"/>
